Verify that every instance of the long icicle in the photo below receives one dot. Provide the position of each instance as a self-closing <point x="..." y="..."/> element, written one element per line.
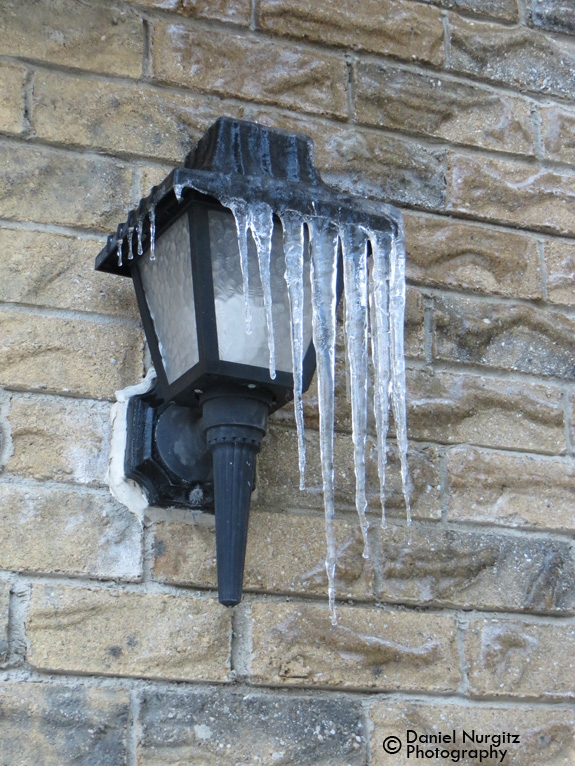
<point x="241" y="215"/>
<point x="261" y="224"/>
<point x="293" y="241"/>
<point x="380" y="346"/>
<point x="354" y="245"/>
<point x="324" y="250"/>
<point x="398" y="387"/>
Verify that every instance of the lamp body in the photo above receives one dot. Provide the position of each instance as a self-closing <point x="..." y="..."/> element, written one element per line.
<point x="193" y="440"/>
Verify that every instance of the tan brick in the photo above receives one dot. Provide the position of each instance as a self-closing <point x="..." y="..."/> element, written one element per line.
<point x="97" y="36"/>
<point x="431" y="565"/>
<point x="545" y="735"/>
<point x="445" y="252"/>
<point x="391" y="27"/>
<point x="250" y="68"/>
<point x="558" y="133"/>
<point x="4" y="609"/>
<point x="61" y="531"/>
<point x="59" y="438"/>
<point x="277" y="483"/>
<point x="53" y="724"/>
<point x="297" y="645"/>
<point x="460" y="112"/>
<point x="514" y="56"/>
<point x="132" y="118"/>
<point x="12" y="79"/>
<point x="70" y="356"/>
<point x="485" y="412"/>
<point x="220" y="726"/>
<point x="285" y="553"/>
<point x="122" y="633"/>
<point x="506" y="10"/>
<point x="504" y="335"/>
<point x="560" y="267"/>
<point x="365" y="162"/>
<point x="512" y="192"/>
<point x="58" y="271"/>
<point x="153" y="175"/>
<point x="234" y="11"/>
<point x="520" y="659"/>
<point x="58" y="187"/>
<point x="512" y="490"/>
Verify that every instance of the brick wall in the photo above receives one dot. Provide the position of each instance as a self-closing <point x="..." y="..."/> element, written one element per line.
<point x="113" y="648"/>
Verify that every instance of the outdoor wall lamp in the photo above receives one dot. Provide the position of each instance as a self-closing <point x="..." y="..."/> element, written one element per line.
<point x="234" y="259"/>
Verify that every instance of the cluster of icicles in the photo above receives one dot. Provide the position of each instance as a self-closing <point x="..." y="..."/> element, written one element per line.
<point x="374" y="315"/>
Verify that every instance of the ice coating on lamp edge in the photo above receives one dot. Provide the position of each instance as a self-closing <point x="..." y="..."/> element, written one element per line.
<point x="374" y="288"/>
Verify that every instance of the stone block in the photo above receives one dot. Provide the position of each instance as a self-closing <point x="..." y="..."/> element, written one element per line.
<point x="296" y="644"/>
<point x="560" y="267"/>
<point x="445" y="252"/>
<point x="511" y="490"/>
<point x="277" y="483"/>
<point x="123" y="633"/>
<point x="558" y="133"/>
<point x="101" y="37"/>
<point x="53" y="724"/>
<point x="4" y="610"/>
<point x="59" y="438"/>
<point x="520" y="659"/>
<point x="392" y="27"/>
<point x="505" y="336"/>
<point x="285" y="554"/>
<point x="460" y="112"/>
<point x="514" y="56"/>
<point x="234" y="11"/>
<point x="373" y="165"/>
<point x="219" y="726"/>
<point x="485" y="411"/>
<point x="66" y="532"/>
<point x="57" y="271"/>
<point x="506" y="10"/>
<point x="476" y="570"/>
<point x="72" y="356"/>
<point x="130" y="118"/>
<point x="59" y="187"/>
<point x="12" y="79"/>
<point x="552" y="15"/>
<point x="518" y="193"/>
<point x="545" y="736"/>
<point x="250" y="68"/>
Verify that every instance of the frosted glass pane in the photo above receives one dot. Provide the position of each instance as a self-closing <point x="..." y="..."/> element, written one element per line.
<point x="234" y="344"/>
<point x="169" y="293"/>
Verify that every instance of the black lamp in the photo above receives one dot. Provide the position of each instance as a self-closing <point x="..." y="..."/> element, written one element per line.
<point x="209" y="304"/>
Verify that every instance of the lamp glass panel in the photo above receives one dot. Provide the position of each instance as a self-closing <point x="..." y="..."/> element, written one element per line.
<point x="234" y="343"/>
<point x="168" y="287"/>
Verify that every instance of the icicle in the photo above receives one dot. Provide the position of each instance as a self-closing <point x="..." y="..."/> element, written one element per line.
<point x="152" y="218"/>
<point x="324" y="248"/>
<point x="178" y="190"/>
<point x="130" y="243"/>
<point x="397" y="311"/>
<point x="139" y="248"/>
<point x="261" y="225"/>
<point x="293" y="239"/>
<point x="354" y="245"/>
<point x="119" y="251"/>
<point x="241" y="214"/>
<point x="380" y="345"/>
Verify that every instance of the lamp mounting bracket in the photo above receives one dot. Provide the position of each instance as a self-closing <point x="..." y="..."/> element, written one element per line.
<point x="167" y="454"/>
